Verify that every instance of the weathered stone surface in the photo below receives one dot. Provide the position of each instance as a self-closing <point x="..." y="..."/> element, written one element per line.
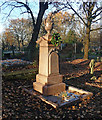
<point x="54" y="89"/>
<point x="43" y="61"/>
<point x="48" y="80"/>
<point x="54" y="79"/>
<point x="51" y="79"/>
<point x="53" y="63"/>
<point x="38" y="87"/>
<point x="49" y="89"/>
<point x="48" y="60"/>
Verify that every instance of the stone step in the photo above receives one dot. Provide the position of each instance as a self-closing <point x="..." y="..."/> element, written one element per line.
<point x="49" y="80"/>
<point x="38" y="87"/>
<point x="49" y="89"/>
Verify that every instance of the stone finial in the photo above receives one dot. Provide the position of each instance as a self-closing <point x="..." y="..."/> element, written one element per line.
<point x="48" y="23"/>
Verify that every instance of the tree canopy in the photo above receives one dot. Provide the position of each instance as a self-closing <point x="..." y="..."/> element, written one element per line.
<point x="89" y="13"/>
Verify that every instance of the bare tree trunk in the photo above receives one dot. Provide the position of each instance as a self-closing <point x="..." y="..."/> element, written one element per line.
<point x="32" y="50"/>
<point x="32" y="45"/>
<point x="101" y="41"/>
<point x="12" y="48"/>
<point x="87" y="39"/>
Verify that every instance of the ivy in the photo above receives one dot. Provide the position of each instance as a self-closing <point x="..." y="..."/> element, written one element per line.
<point x="56" y="39"/>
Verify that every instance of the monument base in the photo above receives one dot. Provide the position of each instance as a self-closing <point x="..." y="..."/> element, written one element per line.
<point x="49" y="80"/>
<point x="73" y="95"/>
<point x="49" y="89"/>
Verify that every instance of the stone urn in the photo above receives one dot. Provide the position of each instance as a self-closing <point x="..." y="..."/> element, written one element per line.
<point x="48" y="25"/>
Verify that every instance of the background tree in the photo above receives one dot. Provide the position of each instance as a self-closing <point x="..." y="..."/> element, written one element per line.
<point x="71" y="37"/>
<point x="95" y="39"/>
<point x="22" y="30"/>
<point x="63" y="21"/>
<point x="92" y="10"/>
<point x="8" y="39"/>
<point x="89" y="13"/>
<point x="101" y="31"/>
<point x="42" y="29"/>
<point x="36" y="23"/>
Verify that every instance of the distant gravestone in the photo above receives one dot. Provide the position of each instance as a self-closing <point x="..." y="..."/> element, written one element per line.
<point x="101" y="59"/>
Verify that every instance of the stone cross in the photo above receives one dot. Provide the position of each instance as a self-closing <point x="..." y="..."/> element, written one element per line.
<point x="48" y="80"/>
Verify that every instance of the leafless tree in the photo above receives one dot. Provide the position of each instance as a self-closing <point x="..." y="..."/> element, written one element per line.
<point x="89" y="13"/>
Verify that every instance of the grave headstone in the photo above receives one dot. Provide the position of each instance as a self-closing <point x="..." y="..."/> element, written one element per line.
<point x="48" y="80"/>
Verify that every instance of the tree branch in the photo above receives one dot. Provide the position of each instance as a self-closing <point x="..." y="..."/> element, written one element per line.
<point x="58" y="10"/>
<point x="24" y="12"/>
<point x="3" y="4"/>
<point x="10" y="12"/>
<point x="100" y="8"/>
<point x="28" y="10"/>
<point x="96" y="29"/>
<point x="77" y="13"/>
<point x="97" y="20"/>
<point x="84" y="3"/>
<point x="46" y="5"/>
<point x="97" y="15"/>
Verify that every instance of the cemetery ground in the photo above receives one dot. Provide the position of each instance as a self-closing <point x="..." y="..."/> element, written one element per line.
<point x="18" y="104"/>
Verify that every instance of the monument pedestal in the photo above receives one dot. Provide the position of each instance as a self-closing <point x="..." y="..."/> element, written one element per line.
<point x="49" y="89"/>
<point x="48" y="81"/>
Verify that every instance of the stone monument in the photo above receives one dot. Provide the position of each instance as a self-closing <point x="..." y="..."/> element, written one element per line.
<point x="48" y="80"/>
